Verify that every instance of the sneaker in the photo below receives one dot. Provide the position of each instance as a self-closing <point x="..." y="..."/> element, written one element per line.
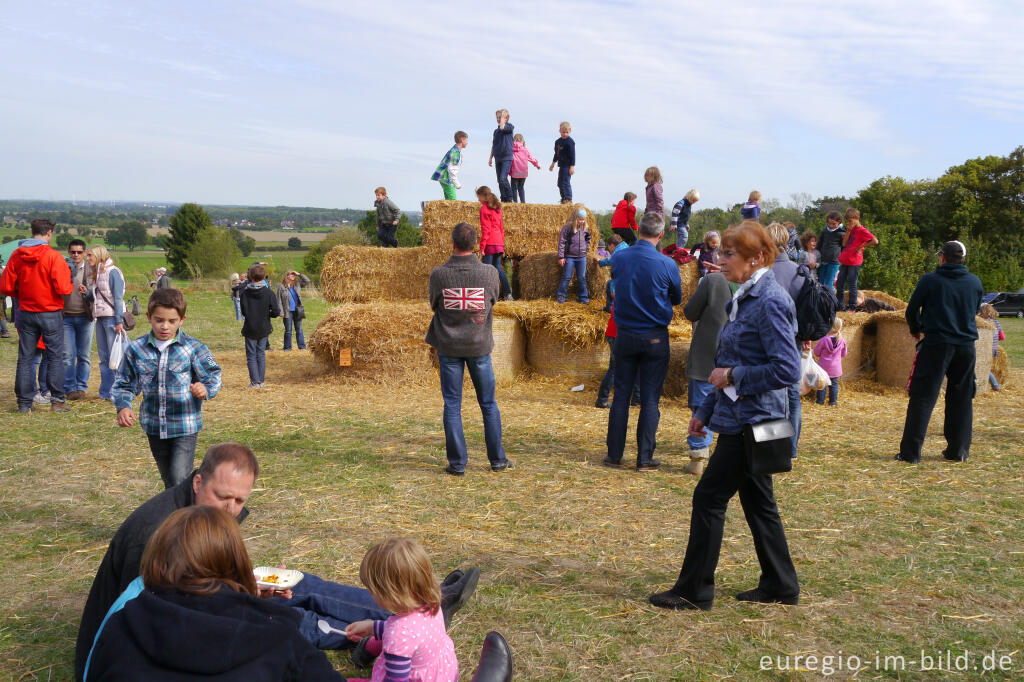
<point x="760" y="596"/>
<point x="508" y="297"/>
<point x="671" y="600"/>
<point x="601" y="403"/>
<point x="952" y="458"/>
<point x="25" y="409"/>
<point x="76" y="395"/>
<point x="503" y="466"/>
<point x="609" y="462"/>
<point x="453" y="471"/>
<point x="40" y="399"/>
<point x="5" y="335"/>
<point x="59" y="406"/>
<point x="900" y="458"/>
<point x="649" y="466"/>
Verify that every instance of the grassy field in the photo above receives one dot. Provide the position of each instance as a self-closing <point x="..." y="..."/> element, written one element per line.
<point x="893" y="559"/>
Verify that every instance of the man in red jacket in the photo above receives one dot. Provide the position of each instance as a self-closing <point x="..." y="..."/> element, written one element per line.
<point x="39" y="278"/>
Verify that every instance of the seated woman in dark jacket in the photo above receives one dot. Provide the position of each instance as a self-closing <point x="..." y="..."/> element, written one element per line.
<point x="199" y="617"/>
<point x="758" y="360"/>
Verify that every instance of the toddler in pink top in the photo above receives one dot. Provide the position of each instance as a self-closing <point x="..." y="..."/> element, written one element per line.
<point x="412" y="644"/>
<point x="830" y="351"/>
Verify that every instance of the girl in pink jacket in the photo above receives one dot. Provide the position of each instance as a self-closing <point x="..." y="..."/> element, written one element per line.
<point x="830" y="351"/>
<point x="521" y="160"/>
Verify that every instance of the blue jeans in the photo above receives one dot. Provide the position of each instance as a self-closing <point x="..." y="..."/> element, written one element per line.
<point x="827" y="275"/>
<point x="564" y="188"/>
<point x="238" y="308"/>
<point x="77" y="344"/>
<point x="519" y="190"/>
<point x="848" y="275"/>
<point x="315" y="598"/>
<point x="495" y="260"/>
<point x="609" y="377"/>
<point x="256" y="359"/>
<point x="386" y="235"/>
<point x="482" y="374"/>
<point x="682" y="235"/>
<point x="642" y="359"/>
<point x="31" y="327"/>
<point x="502" y="167"/>
<point x="104" y="340"/>
<point x="833" y="393"/>
<point x="579" y="266"/>
<point x="300" y="340"/>
<point x="174" y="457"/>
<point x="993" y="381"/>
<point x="696" y="392"/>
<point x="39" y="369"/>
<point x="795" y="413"/>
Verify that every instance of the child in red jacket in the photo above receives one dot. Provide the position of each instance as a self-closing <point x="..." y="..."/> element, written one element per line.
<point x="851" y="258"/>
<point x="624" y="219"/>
<point x="492" y="236"/>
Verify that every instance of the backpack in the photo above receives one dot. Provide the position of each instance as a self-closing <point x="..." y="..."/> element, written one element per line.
<point x="815" y="308"/>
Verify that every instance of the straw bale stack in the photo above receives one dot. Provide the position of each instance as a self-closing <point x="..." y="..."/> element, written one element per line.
<point x="529" y="228"/>
<point x="386" y="341"/>
<point x="575" y="325"/>
<point x="509" y="355"/>
<point x="689" y="276"/>
<point x="357" y="274"/>
<point x="540" y="273"/>
<point x="675" y="380"/>
<point x="1001" y="367"/>
<point x="897" y="347"/>
<point x="548" y="355"/>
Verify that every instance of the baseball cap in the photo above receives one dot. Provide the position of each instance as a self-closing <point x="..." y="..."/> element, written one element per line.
<point x="954" y="249"/>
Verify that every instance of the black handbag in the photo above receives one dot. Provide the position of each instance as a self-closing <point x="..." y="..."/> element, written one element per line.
<point x="769" y="446"/>
<point x="300" y="310"/>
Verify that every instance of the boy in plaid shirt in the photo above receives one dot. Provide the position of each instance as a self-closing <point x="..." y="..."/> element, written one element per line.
<point x="174" y="372"/>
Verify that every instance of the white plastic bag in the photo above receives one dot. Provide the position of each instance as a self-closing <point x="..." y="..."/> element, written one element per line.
<point x="117" y="348"/>
<point x="812" y="376"/>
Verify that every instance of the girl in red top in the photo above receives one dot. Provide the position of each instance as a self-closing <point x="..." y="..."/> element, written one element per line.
<point x="624" y="219"/>
<point x="492" y="236"/>
<point x="852" y="256"/>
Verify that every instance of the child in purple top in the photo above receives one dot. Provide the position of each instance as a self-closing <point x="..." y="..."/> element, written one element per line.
<point x="751" y="210"/>
<point x="830" y="351"/>
<point x="412" y="645"/>
<point x="655" y="199"/>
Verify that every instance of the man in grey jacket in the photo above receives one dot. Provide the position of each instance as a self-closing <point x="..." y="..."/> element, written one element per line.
<point x="462" y="295"/>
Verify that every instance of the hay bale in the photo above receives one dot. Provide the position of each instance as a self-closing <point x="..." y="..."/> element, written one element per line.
<point x="574" y="324"/>
<point x="675" y="380"/>
<point x="529" y="228"/>
<point x="540" y="273"/>
<point x="860" y="333"/>
<point x="689" y="276"/>
<point x="894" y="363"/>
<point x="509" y="354"/>
<point x="1001" y="367"/>
<point x="386" y="341"/>
<point x="357" y="274"/>
<point x="548" y="355"/>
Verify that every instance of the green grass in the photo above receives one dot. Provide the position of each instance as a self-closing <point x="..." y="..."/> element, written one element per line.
<point x="1014" y="343"/>
<point x="892" y="559"/>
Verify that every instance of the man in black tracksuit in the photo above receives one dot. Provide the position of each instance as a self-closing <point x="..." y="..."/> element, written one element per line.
<point x="943" y="307"/>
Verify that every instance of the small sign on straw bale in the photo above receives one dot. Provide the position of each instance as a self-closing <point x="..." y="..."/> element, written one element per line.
<point x="529" y="228"/>
<point x="539" y="275"/>
<point x="386" y="340"/>
<point x="357" y="274"/>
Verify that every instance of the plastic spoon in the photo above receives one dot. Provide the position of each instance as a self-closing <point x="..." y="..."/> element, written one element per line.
<point x="326" y="628"/>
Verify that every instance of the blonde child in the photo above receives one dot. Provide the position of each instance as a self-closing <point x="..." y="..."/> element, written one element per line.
<point x="655" y="192"/>
<point x="492" y="236"/>
<point x="573" y="246"/>
<point x="989" y="312"/>
<point x="752" y="209"/>
<point x="708" y="254"/>
<point x="521" y="160"/>
<point x="412" y="644"/>
<point x="830" y="351"/>
<point x="447" y="172"/>
<point x="681" y="217"/>
<point x="565" y="157"/>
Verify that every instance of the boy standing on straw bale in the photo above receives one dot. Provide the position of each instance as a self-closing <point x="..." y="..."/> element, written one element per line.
<point x="681" y="217"/>
<point x="447" y="172"/>
<point x="463" y="292"/>
<point x="830" y="243"/>
<point x="388" y="214"/>
<point x="565" y="157"/>
<point x="501" y="151"/>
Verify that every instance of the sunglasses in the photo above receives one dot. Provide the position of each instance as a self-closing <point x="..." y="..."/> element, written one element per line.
<point x="76" y="253"/>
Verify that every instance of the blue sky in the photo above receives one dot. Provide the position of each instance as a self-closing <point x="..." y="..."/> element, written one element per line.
<point x="313" y="102"/>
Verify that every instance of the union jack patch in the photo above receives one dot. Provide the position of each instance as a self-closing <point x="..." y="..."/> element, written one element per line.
<point x="463" y="298"/>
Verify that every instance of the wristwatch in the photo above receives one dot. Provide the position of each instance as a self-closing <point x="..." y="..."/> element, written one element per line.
<point x="728" y="377"/>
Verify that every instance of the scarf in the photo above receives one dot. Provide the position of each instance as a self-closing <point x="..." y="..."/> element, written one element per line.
<point x="740" y="293"/>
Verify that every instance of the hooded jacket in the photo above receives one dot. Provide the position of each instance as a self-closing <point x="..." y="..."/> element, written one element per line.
<point x="163" y="635"/>
<point x="492" y="232"/>
<point x="624" y="216"/>
<point x="37" y="276"/>
<point x="944" y="304"/>
<point x="521" y="160"/>
<point x="258" y="305"/>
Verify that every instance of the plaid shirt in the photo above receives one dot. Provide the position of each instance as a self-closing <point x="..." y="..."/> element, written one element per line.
<point x="169" y="409"/>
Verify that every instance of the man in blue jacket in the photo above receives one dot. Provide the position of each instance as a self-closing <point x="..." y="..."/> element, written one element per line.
<point x="647" y="285"/>
<point x="943" y="307"/>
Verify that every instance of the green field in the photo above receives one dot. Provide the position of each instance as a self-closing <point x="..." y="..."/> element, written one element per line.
<point x="892" y="559"/>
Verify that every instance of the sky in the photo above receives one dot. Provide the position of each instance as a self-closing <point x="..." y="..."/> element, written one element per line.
<point x="315" y="103"/>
